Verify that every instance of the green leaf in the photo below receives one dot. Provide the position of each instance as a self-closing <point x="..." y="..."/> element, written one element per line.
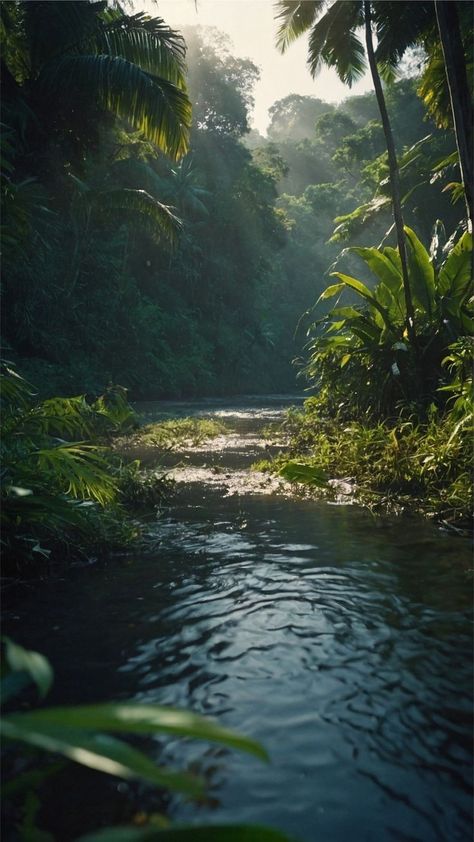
<point x="147" y="42"/>
<point x="157" y="217"/>
<point x="151" y="104"/>
<point x="381" y="266"/>
<point x="455" y="279"/>
<point x="97" y="751"/>
<point x="79" y="468"/>
<point x="145" y="719"/>
<point x="421" y="272"/>
<point x="365" y="292"/>
<point x="32" y="663"/>
<point x="296" y="17"/>
<point x="299" y="472"/>
<point x="334" y="42"/>
<point x="191" y="833"/>
<point x="330" y="292"/>
<point x="345" y="313"/>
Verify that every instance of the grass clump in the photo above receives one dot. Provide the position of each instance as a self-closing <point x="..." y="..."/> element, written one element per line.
<point x="179" y="432"/>
<point x="426" y="466"/>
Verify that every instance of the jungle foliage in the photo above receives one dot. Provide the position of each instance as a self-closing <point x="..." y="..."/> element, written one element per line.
<point x="176" y="276"/>
<point x="91" y="736"/>
<point x="62" y="488"/>
<point x="377" y="360"/>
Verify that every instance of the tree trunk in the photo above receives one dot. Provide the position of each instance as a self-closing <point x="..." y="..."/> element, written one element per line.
<point x="394" y="176"/>
<point x="459" y="94"/>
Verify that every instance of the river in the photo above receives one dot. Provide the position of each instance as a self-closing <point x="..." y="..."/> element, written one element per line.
<point x="342" y="641"/>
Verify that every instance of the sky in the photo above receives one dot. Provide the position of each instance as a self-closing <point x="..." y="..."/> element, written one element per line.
<point x="251" y="26"/>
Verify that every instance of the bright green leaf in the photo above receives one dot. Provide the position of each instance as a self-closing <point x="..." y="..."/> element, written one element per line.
<point x="136" y="718"/>
<point x="97" y="751"/>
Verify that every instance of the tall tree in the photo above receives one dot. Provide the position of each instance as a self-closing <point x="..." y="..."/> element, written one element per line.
<point x="459" y="93"/>
<point x="334" y="40"/>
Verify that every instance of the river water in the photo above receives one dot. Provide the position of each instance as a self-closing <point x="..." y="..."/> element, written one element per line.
<point x="341" y="641"/>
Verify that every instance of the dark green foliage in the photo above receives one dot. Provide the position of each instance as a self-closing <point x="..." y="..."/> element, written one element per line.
<point x="399" y="432"/>
<point x="60" y="493"/>
<point x="83" y="734"/>
<point x="360" y="354"/>
<point x="93" y="292"/>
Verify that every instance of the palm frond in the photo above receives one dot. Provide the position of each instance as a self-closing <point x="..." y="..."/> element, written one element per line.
<point x="434" y="91"/>
<point x="157" y="217"/>
<point x="63" y="417"/>
<point x="147" y="42"/>
<point x="15" y="393"/>
<point x="53" y="29"/>
<point x="398" y="26"/>
<point x="334" y="41"/>
<point x="151" y="104"/>
<point x="78" y="469"/>
<point x="296" y="17"/>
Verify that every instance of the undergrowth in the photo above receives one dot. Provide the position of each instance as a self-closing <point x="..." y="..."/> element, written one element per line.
<point x="421" y="466"/>
<point x="64" y="492"/>
<point x="179" y="432"/>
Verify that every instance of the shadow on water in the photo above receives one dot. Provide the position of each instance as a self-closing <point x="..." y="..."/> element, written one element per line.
<point x="341" y="641"/>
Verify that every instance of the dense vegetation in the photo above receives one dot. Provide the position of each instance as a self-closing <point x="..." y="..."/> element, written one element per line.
<point x="151" y="239"/>
<point x="101" y="282"/>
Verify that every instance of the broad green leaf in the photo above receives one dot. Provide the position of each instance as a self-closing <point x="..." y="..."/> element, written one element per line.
<point x="97" y="751"/>
<point x="191" y="833"/>
<point x="32" y="663"/>
<point x="381" y="266"/>
<point x="330" y="292"/>
<point x="345" y="313"/>
<point x="299" y="472"/>
<point x="421" y="272"/>
<point x="136" y="718"/>
<point x="393" y="256"/>
<point x="455" y="278"/>
<point x="365" y="292"/>
<point x="369" y="334"/>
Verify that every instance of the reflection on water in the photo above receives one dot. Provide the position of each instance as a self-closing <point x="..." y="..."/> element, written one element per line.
<point x="341" y="641"/>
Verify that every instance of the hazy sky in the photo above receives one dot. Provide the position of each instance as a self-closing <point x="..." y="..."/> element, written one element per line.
<point x="251" y="27"/>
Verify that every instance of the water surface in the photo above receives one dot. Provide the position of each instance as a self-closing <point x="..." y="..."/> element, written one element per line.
<point x="342" y="641"/>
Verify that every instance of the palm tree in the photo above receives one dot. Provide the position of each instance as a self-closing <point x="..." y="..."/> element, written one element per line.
<point x="68" y="57"/>
<point x="334" y="40"/>
<point x="459" y="94"/>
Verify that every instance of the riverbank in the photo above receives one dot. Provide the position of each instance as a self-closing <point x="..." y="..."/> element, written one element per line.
<point x="424" y="468"/>
<point x="341" y="641"/>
